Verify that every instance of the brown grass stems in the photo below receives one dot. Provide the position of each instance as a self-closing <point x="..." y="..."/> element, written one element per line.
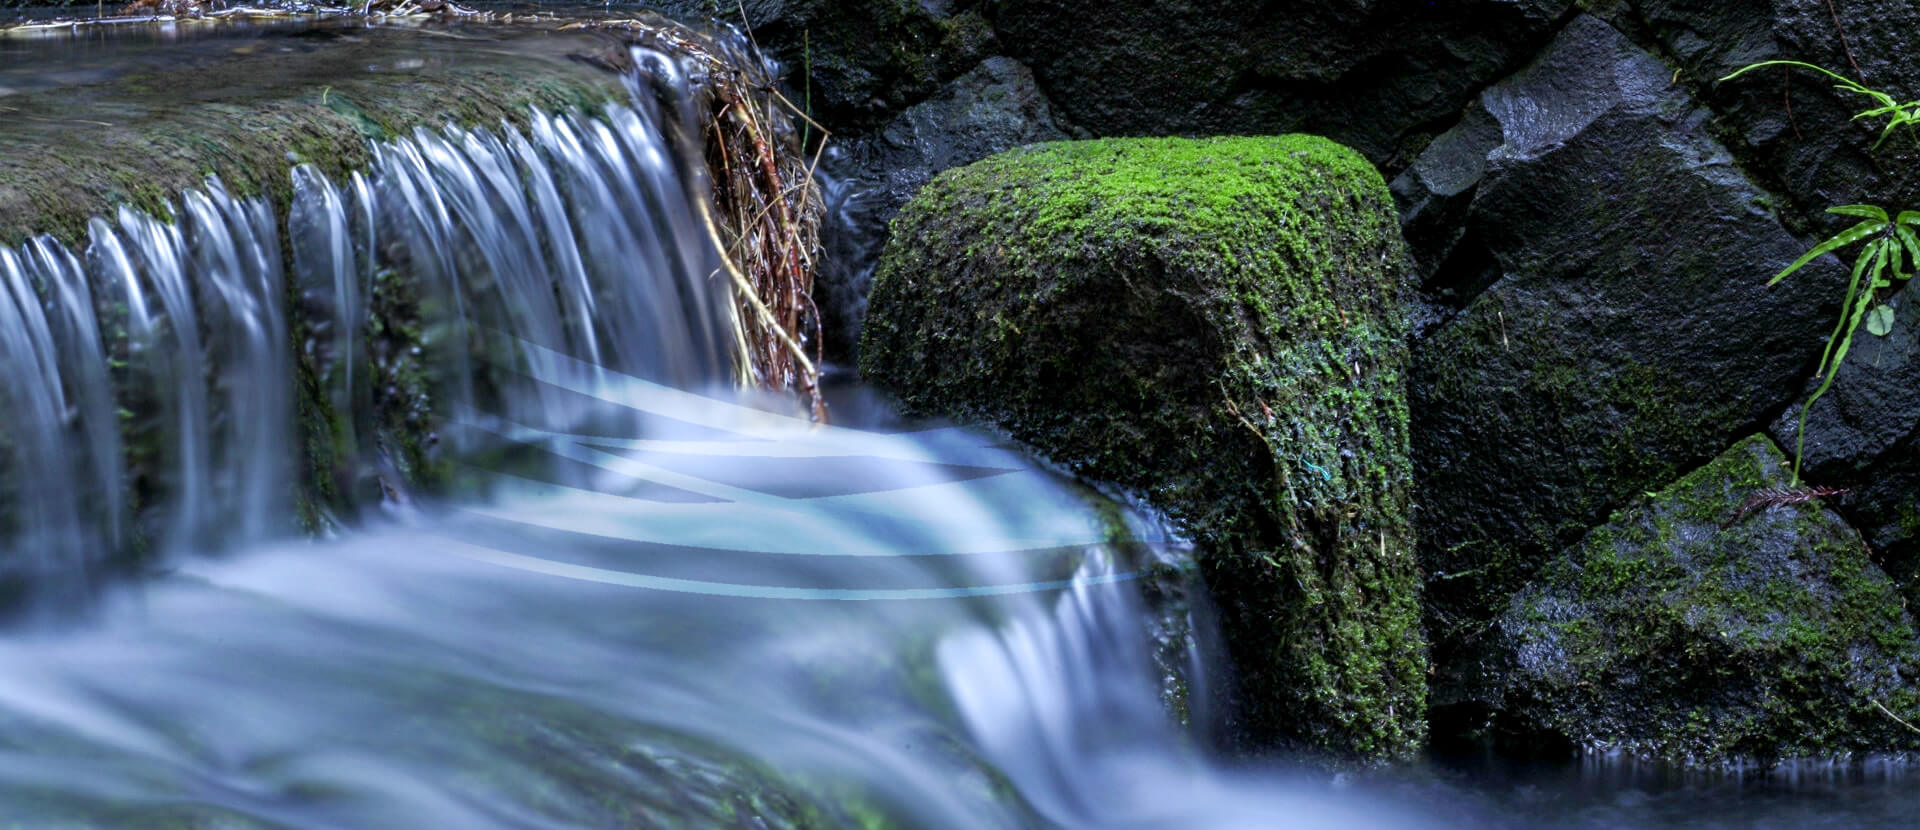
<point x="767" y="211"/>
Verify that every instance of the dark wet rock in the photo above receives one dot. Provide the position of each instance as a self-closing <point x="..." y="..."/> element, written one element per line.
<point x="995" y="107"/>
<point x="1864" y="435"/>
<point x="1375" y="76"/>
<point x="1434" y="194"/>
<point x="1667" y="635"/>
<point x="1796" y="127"/>
<point x="1218" y="325"/>
<point x="867" y="59"/>
<point x="1629" y="334"/>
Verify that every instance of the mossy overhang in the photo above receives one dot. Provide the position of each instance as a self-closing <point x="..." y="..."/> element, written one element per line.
<point x="249" y="107"/>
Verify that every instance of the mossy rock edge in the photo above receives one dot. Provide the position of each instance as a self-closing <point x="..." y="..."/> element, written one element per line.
<point x="1219" y="325"/>
<point x="1686" y="630"/>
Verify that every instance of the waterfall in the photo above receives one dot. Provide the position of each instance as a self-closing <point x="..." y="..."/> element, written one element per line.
<point x="161" y="384"/>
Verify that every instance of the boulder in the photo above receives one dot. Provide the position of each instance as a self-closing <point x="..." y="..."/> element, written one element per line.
<point x="1610" y="325"/>
<point x="1371" y="75"/>
<point x="1220" y="326"/>
<point x="1794" y="125"/>
<point x="1698" y="627"/>
<point x="994" y="107"/>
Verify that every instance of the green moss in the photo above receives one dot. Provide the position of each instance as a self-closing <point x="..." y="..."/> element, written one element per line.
<point x="1675" y="632"/>
<point x="1611" y="434"/>
<point x="1217" y="324"/>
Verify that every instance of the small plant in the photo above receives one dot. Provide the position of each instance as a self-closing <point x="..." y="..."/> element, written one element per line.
<point x="1892" y="247"/>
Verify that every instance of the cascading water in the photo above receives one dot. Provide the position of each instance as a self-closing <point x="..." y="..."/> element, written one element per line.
<point x="682" y="609"/>
<point x="660" y="603"/>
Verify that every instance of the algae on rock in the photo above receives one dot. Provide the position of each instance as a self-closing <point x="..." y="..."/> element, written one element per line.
<point x="1689" y="631"/>
<point x="1217" y="324"/>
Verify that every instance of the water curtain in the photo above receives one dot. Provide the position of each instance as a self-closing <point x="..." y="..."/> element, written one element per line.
<point x="182" y="382"/>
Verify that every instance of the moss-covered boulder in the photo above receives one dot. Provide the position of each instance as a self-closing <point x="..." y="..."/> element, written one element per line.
<point x="1702" y="626"/>
<point x="1218" y="324"/>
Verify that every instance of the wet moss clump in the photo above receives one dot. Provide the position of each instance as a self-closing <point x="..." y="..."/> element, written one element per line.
<point x="1689" y="631"/>
<point x="1219" y="325"/>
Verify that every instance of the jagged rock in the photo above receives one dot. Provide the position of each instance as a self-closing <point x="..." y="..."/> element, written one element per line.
<point x="1670" y="633"/>
<point x="1371" y="75"/>
<point x="1864" y="435"/>
<point x="1218" y="325"/>
<point x="1629" y="334"/>
<point x="1796" y="127"/>
<point x="995" y="107"/>
<point x="1434" y="195"/>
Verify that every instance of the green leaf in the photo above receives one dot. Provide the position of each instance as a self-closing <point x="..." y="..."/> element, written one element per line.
<point x="1908" y="217"/>
<point x="1863" y="211"/>
<point x="1839" y="240"/>
<point x="1880" y="321"/>
<point x="1842" y="331"/>
<point x="1912" y="241"/>
<point x="1802" y="64"/>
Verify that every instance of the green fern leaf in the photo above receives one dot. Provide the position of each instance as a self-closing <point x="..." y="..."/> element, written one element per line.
<point x="1843" y="328"/>
<point x="1912" y="242"/>
<point x="1839" y="240"/>
<point x="1873" y="212"/>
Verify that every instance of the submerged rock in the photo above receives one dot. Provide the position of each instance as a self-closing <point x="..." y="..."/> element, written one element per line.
<point x="1219" y="325"/>
<point x="248" y="114"/>
<point x="1691" y="629"/>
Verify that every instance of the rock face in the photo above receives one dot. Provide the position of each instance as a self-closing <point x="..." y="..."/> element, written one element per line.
<point x="866" y="59"/>
<point x="1371" y="75"/>
<point x="1671" y="634"/>
<point x="1796" y="127"/>
<point x="1219" y="325"/>
<point x="1864" y="435"/>
<point x="1616" y="326"/>
<point x="993" y="108"/>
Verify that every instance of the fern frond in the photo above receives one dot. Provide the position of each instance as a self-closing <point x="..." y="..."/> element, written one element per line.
<point x="1912" y="242"/>
<point x="1840" y="328"/>
<point x="1780" y="497"/>
<point x="1839" y="240"/>
<point x="1873" y="212"/>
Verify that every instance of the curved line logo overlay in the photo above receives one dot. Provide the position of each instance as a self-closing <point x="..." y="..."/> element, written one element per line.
<point x="716" y="498"/>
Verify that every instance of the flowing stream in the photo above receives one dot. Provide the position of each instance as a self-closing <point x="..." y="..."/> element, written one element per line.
<point x="654" y="602"/>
